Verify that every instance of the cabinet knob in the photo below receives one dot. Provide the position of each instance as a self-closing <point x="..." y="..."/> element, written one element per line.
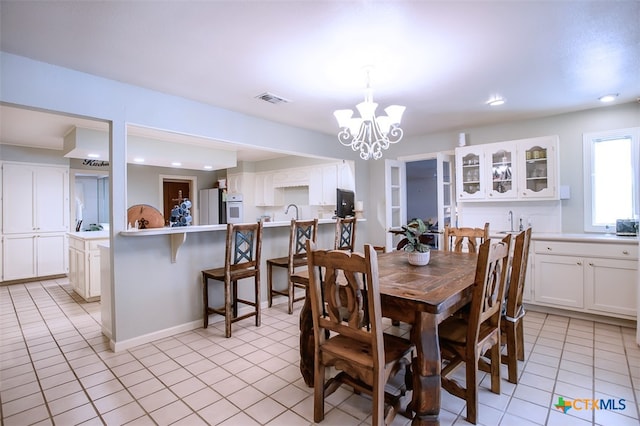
<point x="590" y="263"/>
<point x="549" y="248"/>
<point x="524" y="193"/>
<point x="579" y="263"/>
<point x="490" y="195"/>
<point x="625" y="251"/>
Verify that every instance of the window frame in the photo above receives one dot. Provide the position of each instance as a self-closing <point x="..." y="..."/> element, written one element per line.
<point x="588" y="147"/>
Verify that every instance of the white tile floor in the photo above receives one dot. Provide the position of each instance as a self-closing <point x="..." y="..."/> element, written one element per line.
<point x="55" y="368"/>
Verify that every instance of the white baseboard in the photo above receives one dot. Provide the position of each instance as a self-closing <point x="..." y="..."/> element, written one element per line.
<point x="168" y="332"/>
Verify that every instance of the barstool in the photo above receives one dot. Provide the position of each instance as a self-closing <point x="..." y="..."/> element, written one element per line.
<point x="242" y="260"/>
<point x="345" y="237"/>
<point x="299" y="232"/>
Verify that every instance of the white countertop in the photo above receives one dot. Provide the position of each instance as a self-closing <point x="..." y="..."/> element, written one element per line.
<point x="578" y="238"/>
<point x="89" y="235"/>
<point x="206" y="228"/>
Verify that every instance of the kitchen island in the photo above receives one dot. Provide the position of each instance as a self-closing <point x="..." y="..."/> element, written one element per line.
<point x="84" y="262"/>
<point x="163" y="294"/>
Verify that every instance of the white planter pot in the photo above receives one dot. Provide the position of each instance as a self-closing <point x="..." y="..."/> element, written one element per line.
<point x="419" y="259"/>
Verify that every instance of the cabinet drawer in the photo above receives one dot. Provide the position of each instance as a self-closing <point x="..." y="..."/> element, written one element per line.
<point x="76" y="243"/>
<point x="603" y="250"/>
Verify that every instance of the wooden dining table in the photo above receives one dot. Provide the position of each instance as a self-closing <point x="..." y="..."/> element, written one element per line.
<point x="422" y="296"/>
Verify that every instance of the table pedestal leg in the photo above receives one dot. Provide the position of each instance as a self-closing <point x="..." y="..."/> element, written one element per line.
<point x="426" y="370"/>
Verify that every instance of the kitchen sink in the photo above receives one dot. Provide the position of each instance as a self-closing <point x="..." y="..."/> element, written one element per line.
<point x="509" y="232"/>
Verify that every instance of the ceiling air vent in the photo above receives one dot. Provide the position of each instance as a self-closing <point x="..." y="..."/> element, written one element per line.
<point x="273" y="99"/>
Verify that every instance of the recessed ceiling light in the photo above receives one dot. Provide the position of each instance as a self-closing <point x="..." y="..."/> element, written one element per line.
<point x="93" y="155"/>
<point x="496" y="101"/>
<point x="208" y="167"/>
<point x="138" y="160"/>
<point x="176" y="164"/>
<point x="608" y="98"/>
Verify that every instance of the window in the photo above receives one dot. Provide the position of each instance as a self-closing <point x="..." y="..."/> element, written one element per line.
<point x="611" y="178"/>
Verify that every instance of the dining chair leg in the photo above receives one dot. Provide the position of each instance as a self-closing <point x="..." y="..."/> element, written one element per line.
<point x="205" y="299"/>
<point x="292" y="292"/>
<point x="269" y="283"/>
<point x="318" y="393"/>
<point x="495" y="368"/>
<point x="472" y="393"/>
<point x="512" y="350"/>
<point x="520" y="340"/>
<point x="234" y="300"/>
<point x="227" y="309"/>
<point x="257" y="299"/>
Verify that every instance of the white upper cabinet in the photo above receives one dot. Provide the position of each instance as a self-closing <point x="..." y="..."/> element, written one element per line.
<point x="322" y="185"/>
<point x="501" y="165"/>
<point x="538" y="172"/>
<point x="470" y="171"/>
<point x="524" y="169"/>
<point x="35" y="198"/>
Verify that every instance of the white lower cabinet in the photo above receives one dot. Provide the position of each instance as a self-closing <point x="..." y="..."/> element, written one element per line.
<point x="598" y="278"/>
<point x="608" y="286"/>
<point x="34" y="255"/>
<point x="84" y="266"/>
<point x="559" y="280"/>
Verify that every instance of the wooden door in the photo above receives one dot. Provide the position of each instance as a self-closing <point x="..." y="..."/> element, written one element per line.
<point x="173" y="194"/>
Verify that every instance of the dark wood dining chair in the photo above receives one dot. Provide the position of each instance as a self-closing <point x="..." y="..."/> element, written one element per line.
<point x="467" y="340"/>
<point x="242" y="260"/>
<point x="347" y="328"/>
<point x="299" y="232"/>
<point x="454" y="238"/>
<point x="513" y="311"/>
<point x="345" y="236"/>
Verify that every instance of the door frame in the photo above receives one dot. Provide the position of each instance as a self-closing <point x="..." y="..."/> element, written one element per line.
<point x="438" y="156"/>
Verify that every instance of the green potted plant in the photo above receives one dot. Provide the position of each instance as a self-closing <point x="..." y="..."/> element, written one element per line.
<point x="415" y="242"/>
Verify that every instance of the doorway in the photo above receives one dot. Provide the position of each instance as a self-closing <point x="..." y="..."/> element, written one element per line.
<point x="174" y="191"/>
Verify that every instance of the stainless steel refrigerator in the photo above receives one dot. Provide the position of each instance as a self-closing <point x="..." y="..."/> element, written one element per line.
<point x="213" y="209"/>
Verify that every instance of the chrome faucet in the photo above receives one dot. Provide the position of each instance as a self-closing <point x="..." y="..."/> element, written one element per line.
<point x="287" y="210"/>
<point x="511" y="220"/>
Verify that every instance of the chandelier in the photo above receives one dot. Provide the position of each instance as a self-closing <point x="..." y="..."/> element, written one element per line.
<point x="369" y="134"/>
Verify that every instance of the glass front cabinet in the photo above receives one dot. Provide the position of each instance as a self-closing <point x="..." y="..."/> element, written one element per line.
<point x="470" y="169"/>
<point x="515" y="170"/>
<point x="501" y="164"/>
<point x="538" y="175"/>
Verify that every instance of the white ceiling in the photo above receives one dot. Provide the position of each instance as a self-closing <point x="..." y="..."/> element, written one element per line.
<point x="443" y="60"/>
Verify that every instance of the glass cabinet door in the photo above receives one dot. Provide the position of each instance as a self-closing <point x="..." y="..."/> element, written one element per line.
<point x="502" y="170"/>
<point x="538" y="178"/>
<point x="470" y="183"/>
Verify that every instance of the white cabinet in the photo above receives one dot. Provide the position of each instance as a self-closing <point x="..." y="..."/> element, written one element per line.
<point x="265" y="193"/>
<point x="599" y="278"/>
<point x="607" y="286"/>
<point x="35" y="198"/>
<point x="35" y="220"/>
<point x="291" y="177"/>
<point x="501" y="166"/>
<point x="559" y="280"/>
<point x="524" y="169"/>
<point x="84" y="265"/>
<point x="537" y="168"/>
<point x="33" y="255"/>
<point x="346" y="178"/>
<point x="234" y="183"/>
<point x="322" y="185"/>
<point x="470" y="173"/>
